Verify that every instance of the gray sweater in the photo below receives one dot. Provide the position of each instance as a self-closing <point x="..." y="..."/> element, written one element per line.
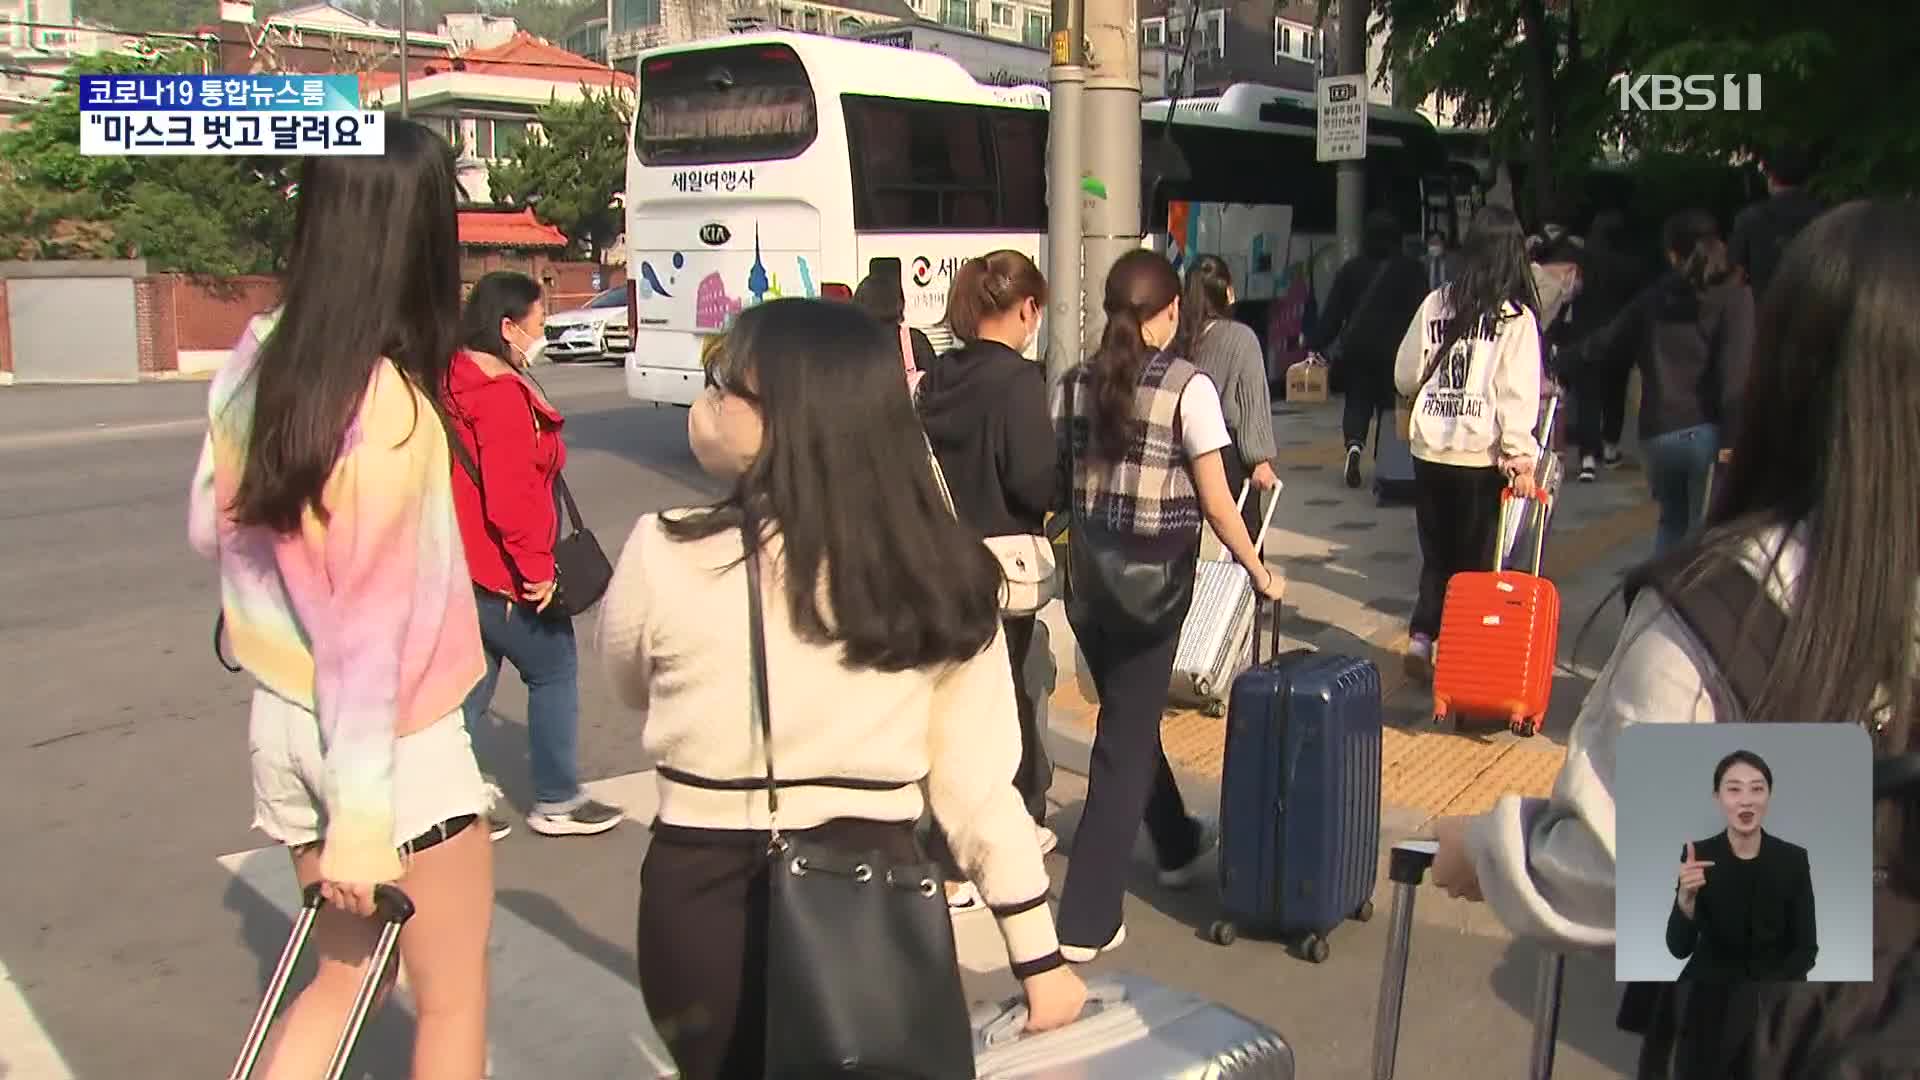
<point x="1229" y="354"/>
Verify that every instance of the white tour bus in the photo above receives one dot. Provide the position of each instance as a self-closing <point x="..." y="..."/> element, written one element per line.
<point x="782" y="164"/>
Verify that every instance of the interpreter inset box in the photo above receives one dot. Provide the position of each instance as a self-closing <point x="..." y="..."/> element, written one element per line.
<point x="1744" y="852"/>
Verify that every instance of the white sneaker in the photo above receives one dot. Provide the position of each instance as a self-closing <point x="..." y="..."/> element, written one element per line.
<point x="1182" y="876"/>
<point x="1081" y="954"/>
<point x="498" y="827"/>
<point x="1420" y="653"/>
<point x="1049" y="840"/>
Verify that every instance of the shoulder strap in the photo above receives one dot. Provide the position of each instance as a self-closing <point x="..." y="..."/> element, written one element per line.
<point x="1728" y="609"/>
<point x="454" y="444"/>
<point x="756" y="624"/>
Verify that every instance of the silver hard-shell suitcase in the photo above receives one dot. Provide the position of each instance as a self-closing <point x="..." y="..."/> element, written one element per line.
<point x="1133" y="1029"/>
<point x="1216" y="642"/>
<point x="1406" y="866"/>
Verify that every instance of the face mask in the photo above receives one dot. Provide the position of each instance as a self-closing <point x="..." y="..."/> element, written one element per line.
<point x="1436" y="251"/>
<point x="724" y="432"/>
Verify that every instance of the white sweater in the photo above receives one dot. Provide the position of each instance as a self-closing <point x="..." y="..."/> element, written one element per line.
<point x="676" y="641"/>
<point x="1481" y="404"/>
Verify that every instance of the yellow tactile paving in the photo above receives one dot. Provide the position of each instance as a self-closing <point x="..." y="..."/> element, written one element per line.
<point x="1430" y="769"/>
<point x="1527" y="767"/>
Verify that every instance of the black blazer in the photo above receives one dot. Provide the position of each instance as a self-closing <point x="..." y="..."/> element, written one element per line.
<point x="1753" y="923"/>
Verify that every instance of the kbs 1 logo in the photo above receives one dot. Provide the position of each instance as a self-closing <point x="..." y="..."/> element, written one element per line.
<point x="1688" y="93"/>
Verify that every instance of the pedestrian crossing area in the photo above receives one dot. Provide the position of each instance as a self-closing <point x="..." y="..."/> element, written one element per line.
<point x="555" y="1011"/>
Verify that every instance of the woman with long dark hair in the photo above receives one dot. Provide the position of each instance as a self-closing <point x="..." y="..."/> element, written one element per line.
<point x="510" y="436"/>
<point x="885" y="660"/>
<point x="1228" y="353"/>
<point x="324" y="492"/>
<point x="1691" y="334"/>
<point x="1141" y="437"/>
<point x="1470" y="361"/>
<point x="1796" y="604"/>
<point x="985" y="412"/>
<point x="882" y="296"/>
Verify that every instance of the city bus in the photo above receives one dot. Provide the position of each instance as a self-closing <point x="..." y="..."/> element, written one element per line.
<point x="783" y="164"/>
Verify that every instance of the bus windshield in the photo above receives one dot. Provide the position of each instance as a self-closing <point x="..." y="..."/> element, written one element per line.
<point x="736" y="104"/>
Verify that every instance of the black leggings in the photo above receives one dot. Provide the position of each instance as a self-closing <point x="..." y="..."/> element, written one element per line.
<point x="1127" y="778"/>
<point x="1457" y="512"/>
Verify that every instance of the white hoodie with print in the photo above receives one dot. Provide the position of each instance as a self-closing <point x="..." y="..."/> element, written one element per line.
<point x="1481" y="404"/>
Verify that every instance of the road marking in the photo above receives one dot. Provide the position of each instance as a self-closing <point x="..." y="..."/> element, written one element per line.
<point x="41" y="440"/>
<point x="26" y="1050"/>
<point x="537" y="979"/>
<point x="537" y="1031"/>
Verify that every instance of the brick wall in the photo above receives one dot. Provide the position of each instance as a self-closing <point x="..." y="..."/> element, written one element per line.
<point x="211" y="313"/>
<point x="154" y="317"/>
<point x="567" y="284"/>
<point x="6" y="334"/>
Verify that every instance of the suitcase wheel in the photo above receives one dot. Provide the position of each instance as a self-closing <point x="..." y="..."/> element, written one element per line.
<point x="1444" y="720"/>
<point x="1222" y="932"/>
<point x="1526" y="729"/>
<point x="1216" y="709"/>
<point x="1314" y="948"/>
<point x="1365" y="914"/>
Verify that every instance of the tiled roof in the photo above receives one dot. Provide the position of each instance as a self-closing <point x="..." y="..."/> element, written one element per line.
<point x="507" y="229"/>
<point x="522" y="56"/>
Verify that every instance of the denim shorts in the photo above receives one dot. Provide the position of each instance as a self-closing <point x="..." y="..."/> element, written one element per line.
<point x="435" y="776"/>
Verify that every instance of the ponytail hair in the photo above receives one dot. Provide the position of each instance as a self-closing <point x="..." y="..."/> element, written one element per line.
<point x="1140" y="286"/>
<point x="992" y="284"/>
<point x="1693" y="239"/>
<point x="1209" y="281"/>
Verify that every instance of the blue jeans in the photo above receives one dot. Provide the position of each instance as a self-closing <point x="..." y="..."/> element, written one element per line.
<point x="542" y="651"/>
<point x="1678" y="464"/>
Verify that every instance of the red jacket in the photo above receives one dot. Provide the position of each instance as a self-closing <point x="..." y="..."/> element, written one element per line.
<point x="512" y="433"/>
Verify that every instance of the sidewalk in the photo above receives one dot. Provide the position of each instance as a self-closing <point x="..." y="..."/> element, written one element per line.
<point x="1352" y="568"/>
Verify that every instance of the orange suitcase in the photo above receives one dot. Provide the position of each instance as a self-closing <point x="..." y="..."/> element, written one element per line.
<point x="1499" y="639"/>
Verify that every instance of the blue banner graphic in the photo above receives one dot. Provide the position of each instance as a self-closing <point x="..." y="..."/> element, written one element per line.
<point x="220" y="93"/>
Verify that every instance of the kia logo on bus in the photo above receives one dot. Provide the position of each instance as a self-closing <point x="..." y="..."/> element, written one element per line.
<point x="715" y="234"/>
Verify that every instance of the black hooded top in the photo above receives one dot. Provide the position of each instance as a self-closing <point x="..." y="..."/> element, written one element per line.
<point x="985" y="411"/>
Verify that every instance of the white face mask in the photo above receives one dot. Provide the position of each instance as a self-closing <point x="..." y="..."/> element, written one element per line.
<point x="724" y="432"/>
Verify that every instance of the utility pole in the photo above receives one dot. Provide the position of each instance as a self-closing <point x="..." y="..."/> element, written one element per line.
<point x="1350" y="179"/>
<point x="1112" y="150"/>
<point x="405" y="72"/>
<point x="1066" y="79"/>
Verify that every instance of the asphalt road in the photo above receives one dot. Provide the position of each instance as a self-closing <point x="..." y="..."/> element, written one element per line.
<point x="130" y="948"/>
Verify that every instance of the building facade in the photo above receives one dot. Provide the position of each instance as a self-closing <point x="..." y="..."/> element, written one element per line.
<point x="39" y="39"/>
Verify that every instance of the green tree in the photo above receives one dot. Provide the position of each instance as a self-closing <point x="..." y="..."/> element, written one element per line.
<point x="571" y="168"/>
<point x="209" y="215"/>
<point x="1539" y="77"/>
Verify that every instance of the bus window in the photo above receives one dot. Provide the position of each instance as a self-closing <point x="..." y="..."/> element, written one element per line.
<point x="741" y="103"/>
<point x="919" y="165"/>
<point x="1020" y="151"/>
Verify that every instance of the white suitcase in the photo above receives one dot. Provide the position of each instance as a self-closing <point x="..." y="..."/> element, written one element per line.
<point x="1216" y="642"/>
<point x="1132" y="1029"/>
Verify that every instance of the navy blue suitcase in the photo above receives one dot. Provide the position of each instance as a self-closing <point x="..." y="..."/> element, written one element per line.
<point x="1300" y="799"/>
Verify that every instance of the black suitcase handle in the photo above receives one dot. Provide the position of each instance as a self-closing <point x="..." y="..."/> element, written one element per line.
<point x="393" y="908"/>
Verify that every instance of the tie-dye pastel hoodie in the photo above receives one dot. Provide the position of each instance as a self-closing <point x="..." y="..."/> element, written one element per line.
<point x="368" y="618"/>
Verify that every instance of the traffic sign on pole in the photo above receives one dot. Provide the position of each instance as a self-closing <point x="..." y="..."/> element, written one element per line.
<point x="1341" y="134"/>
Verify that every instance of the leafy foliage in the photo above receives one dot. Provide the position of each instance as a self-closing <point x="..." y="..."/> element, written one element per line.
<point x="211" y="215"/>
<point x="570" y="169"/>
<point x="1538" y="77"/>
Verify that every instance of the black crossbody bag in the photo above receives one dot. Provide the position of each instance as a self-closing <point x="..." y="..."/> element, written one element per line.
<point x="862" y="978"/>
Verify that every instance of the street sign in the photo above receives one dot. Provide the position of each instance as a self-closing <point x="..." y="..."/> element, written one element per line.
<point x="1341" y="134"/>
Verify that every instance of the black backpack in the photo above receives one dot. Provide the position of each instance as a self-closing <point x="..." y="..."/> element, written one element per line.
<point x="1780" y="1031"/>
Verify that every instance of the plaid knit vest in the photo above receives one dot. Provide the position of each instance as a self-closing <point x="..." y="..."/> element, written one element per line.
<point x="1148" y="492"/>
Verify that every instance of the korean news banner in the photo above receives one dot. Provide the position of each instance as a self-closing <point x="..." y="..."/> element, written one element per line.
<point x="240" y="115"/>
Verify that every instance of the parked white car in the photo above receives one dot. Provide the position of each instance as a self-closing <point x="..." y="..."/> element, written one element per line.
<point x="595" y="331"/>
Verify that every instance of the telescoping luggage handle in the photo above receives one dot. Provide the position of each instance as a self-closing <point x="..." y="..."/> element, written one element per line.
<point x="1507" y="499"/>
<point x="1266" y="520"/>
<point x="393" y="909"/>
<point x="1406" y="867"/>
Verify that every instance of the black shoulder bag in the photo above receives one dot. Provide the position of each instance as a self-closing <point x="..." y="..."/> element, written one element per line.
<point x="581" y="570"/>
<point x="862" y="978"/>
